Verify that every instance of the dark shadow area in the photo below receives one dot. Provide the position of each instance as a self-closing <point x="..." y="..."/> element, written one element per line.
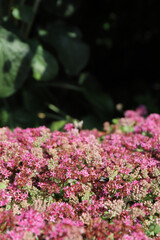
<point x="7" y="66"/>
<point x="106" y="53"/>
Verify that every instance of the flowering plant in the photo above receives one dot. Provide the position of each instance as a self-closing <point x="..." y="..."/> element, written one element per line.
<point x="82" y="184"/>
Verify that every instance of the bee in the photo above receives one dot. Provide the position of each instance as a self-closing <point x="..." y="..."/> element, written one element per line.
<point x="103" y="179"/>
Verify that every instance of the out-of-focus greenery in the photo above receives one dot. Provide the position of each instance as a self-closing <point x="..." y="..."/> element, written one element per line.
<point x="62" y="60"/>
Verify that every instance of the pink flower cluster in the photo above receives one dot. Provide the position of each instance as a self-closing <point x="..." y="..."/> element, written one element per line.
<point x="82" y="184"/>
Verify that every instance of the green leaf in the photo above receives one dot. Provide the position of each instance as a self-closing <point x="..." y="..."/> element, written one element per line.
<point x="111" y="236"/>
<point x="16" y="13"/>
<point x="69" y="10"/>
<point x="115" y="121"/>
<point x="106" y="26"/>
<point x="87" y="195"/>
<point x="4" y="116"/>
<point x="152" y="227"/>
<point x="23" y="12"/>
<point x="139" y="150"/>
<point x="72" y="52"/>
<point x="157" y="229"/>
<point x="99" y="100"/>
<point x="73" y="181"/>
<point x="14" y="63"/>
<point x="44" y="65"/>
<point x="127" y="129"/>
<point x="42" y="32"/>
<point x="113" y="175"/>
<point x="2" y="185"/>
<point x="57" y="125"/>
<point x="8" y="207"/>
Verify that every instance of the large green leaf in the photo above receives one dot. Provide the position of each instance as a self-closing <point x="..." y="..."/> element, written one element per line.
<point x="72" y="51"/>
<point x="73" y="54"/>
<point x="44" y="65"/>
<point x="14" y="63"/>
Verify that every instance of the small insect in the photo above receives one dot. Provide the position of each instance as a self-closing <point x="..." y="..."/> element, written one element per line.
<point x="78" y="125"/>
<point x="103" y="179"/>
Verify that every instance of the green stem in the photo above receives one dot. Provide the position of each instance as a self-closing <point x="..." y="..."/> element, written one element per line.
<point x="29" y="26"/>
<point x="56" y="110"/>
<point x="62" y="85"/>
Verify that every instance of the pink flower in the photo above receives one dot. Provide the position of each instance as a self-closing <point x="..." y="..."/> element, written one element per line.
<point x="141" y="110"/>
<point x="68" y="127"/>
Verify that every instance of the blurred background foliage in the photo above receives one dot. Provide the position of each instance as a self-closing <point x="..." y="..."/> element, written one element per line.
<point x="62" y="60"/>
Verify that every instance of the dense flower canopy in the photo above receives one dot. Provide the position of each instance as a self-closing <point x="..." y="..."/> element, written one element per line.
<point x="82" y="184"/>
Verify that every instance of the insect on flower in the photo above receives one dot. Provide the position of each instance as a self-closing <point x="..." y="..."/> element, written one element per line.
<point x="78" y="125"/>
<point x="103" y="179"/>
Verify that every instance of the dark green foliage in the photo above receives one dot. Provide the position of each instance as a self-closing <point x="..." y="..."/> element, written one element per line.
<point x="44" y="65"/>
<point x="80" y="57"/>
<point x="14" y="63"/>
<point x="44" y="59"/>
<point x="23" y="12"/>
<point x="72" y="52"/>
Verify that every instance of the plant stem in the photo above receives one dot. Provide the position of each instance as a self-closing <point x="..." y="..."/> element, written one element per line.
<point x="29" y="26"/>
<point x="62" y="85"/>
